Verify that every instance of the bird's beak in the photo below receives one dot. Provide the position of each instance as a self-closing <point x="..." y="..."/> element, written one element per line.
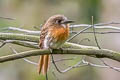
<point x="67" y="21"/>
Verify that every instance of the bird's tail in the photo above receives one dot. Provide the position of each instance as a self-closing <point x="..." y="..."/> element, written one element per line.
<point x="43" y="64"/>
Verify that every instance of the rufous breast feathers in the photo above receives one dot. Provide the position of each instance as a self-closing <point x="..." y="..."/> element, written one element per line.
<point x="61" y="33"/>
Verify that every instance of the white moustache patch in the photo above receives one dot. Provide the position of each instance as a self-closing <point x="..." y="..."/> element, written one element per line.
<point x="64" y="25"/>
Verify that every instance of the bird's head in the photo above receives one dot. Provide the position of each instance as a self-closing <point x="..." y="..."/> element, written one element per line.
<point x="58" y="20"/>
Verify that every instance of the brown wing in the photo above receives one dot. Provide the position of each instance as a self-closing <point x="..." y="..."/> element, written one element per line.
<point x="43" y="34"/>
<point x="44" y="59"/>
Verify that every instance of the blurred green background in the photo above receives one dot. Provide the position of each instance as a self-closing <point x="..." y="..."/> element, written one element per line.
<point x="29" y="13"/>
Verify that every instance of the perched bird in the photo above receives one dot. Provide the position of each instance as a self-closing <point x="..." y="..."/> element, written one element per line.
<point x="54" y="33"/>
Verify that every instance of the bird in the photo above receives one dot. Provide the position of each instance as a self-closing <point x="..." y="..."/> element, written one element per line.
<point x="54" y="33"/>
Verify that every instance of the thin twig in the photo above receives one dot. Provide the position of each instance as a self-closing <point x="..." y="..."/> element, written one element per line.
<point x="100" y="47"/>
<point x="23" y="30"/>
<point x="8" y="18"/>
<point x="83" y="63"/>
<point x="85" y="39"/>
<point x="78" y="33"/>
<point x="106" y="32"/>
<point x="114" y="68"/>
<point x="5" y="42"/>
<point x="52" y="58"/>
<point x="108" y="23"/>
<point x="31" y="62"/>
<point x="99" y="25"/>
<point x="2" y="44"/>
<point x="94" y="33"/>
<point x="74" y="66"/>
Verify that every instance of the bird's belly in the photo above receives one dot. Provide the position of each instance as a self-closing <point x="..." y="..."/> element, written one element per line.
<point x="56" y="45"/>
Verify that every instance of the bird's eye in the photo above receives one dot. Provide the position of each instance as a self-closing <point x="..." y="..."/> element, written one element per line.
<point x="58" y="21"/>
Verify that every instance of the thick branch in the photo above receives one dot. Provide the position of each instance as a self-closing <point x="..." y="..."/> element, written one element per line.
<point x="84" y="50"/>
<point x="102" y="53"/>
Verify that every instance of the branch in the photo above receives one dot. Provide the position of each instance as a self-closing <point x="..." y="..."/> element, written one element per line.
<point x="106" y="32"/>
<point x="79" y="64"/>
<point x="20" y="39"/>
<point x="29" y="40"/>
<point x="86" y="49"/>
<point x="97" y="26"/>
<point x="86" y="63"/>
<point x="102" y="53"/>
<point x="15" y="36"/>
<point x="7" y="18"/>
<point x="30" y="32"/>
